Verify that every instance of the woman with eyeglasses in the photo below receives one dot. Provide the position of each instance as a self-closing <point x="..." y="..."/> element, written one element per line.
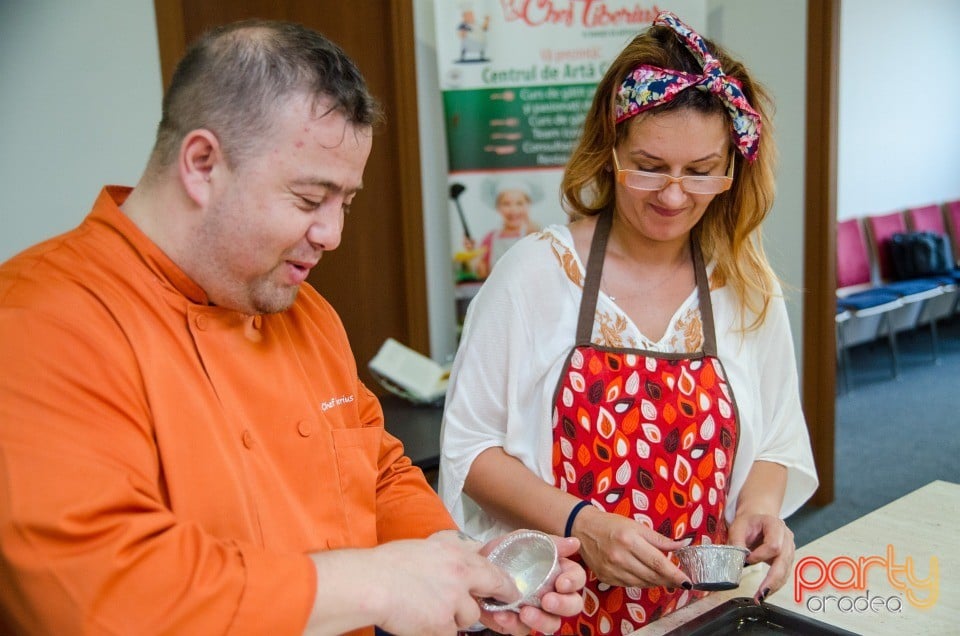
<point x="629" y="378"/>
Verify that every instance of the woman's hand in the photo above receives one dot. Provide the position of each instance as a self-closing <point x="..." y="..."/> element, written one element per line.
<point x="625" y="552"/>
<point x="758" y="527"/>
<point x="769" y="540"/>
<point x="565" y="599"/>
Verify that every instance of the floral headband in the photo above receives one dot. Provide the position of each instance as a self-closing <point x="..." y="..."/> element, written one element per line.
<point x="649" y="86"/>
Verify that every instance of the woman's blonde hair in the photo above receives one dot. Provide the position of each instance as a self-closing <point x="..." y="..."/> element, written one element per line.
<point x="729" y="231"/>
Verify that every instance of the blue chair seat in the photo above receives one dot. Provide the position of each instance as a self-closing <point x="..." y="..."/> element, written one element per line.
<point x="868" y="298"/>
<point x="913" y="286"/>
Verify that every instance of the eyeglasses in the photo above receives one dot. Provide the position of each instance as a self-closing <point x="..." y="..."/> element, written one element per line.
<point x="691" y="184"/>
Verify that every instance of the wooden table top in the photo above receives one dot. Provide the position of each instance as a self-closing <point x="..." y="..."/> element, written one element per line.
<point x="893" y="571"/>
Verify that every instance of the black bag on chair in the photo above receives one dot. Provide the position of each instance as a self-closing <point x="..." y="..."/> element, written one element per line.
<point x="918" y="254"/>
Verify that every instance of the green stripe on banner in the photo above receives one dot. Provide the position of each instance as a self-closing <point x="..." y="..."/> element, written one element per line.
<point x="523" y="127"/>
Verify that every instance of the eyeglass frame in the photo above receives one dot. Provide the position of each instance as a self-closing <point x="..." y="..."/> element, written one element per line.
<point x="667" y="179"/>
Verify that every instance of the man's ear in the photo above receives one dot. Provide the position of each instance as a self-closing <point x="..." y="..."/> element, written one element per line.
<point x="200" y="155"/>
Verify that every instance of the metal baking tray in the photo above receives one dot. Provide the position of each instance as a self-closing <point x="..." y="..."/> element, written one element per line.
<point x="743" y="616"/>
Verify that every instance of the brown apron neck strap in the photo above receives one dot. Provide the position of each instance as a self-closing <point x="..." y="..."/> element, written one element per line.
<point x="591" y="287"/>
<point x="703" y="295"/>
<point x="591" y="282"/>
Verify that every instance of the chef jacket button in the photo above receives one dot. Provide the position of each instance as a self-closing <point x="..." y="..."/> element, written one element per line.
<point x="201" y="322"/>
<point x="247" y="438"/>
<point x="304" y="428"/>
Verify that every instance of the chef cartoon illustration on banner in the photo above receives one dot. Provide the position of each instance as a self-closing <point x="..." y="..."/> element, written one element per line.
<point x="473" y="36"/>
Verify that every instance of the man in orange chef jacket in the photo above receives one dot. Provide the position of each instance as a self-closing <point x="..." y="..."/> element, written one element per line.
<point x="185" y="446"/>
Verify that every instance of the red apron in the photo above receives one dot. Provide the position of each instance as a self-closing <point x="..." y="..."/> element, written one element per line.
<point x="646" y="435"/>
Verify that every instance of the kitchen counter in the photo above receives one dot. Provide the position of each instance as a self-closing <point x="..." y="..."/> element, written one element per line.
<point x="895" y="571"/>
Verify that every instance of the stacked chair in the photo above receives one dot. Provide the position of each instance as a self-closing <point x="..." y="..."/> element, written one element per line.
<point x="951" y="219"/>
<point x="951" y="213"/>
<point x="926" y="299"/>
<point x="863" y="309"/>
<point x="878" y="296"/>
<point x="932" y="218"/>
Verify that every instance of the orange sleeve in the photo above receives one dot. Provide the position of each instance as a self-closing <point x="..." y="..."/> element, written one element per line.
<point x="87" y="542"/>
<point x="407" y="507"/>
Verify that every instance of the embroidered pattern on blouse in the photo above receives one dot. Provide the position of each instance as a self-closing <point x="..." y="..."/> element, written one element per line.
<point x="565" y="257"/>
<point x="690" y="327"/>
<point x="611" y="328"/>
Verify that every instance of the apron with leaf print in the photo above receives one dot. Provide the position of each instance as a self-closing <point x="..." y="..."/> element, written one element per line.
<point x="650" y="436"/>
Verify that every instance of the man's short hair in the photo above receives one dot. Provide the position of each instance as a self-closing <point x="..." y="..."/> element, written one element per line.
<point x="232" y="80"/>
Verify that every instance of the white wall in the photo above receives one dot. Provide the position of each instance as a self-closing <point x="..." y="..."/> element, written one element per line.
<point x="771" y="40"/>
<point x="433" y="166"/>
<point x="80" y="91"/>
<point x="899" y="103"/>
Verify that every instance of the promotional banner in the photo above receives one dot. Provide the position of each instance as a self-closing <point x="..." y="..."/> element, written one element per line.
<point x="517" y="78"/>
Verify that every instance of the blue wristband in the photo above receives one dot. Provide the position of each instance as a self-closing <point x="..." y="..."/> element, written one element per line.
<point x="573" y="515"/>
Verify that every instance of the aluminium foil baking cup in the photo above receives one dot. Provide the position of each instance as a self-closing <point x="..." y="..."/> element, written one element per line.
<point x="531" y="560"/>
<point x="713" y="567"/>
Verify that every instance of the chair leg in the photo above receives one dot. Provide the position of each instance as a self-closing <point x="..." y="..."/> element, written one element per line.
<point x="894" y="355"/>
<point x="934" y="341"/>
<point x="843" y="360"/>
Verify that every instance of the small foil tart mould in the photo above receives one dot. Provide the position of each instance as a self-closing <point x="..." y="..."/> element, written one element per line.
<point x="530" y="558"/>
<point x="712" y="567"/>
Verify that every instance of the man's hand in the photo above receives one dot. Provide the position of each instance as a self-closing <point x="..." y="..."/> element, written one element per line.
<point x="434" y="584"/>
<point x="430" y="587"/>
<point x="425" y="587"/>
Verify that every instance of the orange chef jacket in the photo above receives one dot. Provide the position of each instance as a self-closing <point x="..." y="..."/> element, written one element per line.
<point x="165" y="465"/>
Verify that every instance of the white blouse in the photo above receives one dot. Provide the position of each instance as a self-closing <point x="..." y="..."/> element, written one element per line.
<point x="517" y="334"/>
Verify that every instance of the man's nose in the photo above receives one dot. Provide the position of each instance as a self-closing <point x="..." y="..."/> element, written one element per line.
<point x="325" y="231"/>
